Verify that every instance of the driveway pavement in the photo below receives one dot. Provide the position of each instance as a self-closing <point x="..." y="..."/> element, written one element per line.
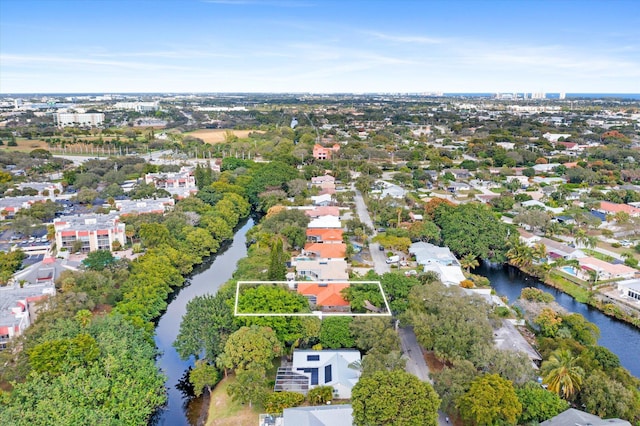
<point x="416" y="364"/>
<point x="379" y="257"/>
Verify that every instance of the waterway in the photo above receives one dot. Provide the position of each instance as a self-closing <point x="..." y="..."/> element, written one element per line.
<point x="617" y="336"/>
<point x="183" y="409"/>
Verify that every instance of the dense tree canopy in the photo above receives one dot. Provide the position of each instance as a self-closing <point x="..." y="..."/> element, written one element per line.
<point x="394" y="398"/>
<point x="490" y="400"/>
<point x="472" y="229"/>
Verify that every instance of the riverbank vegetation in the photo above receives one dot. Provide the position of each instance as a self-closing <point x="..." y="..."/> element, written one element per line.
<point x="575" y="367"/>
<point x="90" y="356"/>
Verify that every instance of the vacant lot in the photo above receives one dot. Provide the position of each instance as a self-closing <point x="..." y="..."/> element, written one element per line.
<point x="26" y="145"/>
<point x="214" y="136"/>
<point x="223" y="411"/>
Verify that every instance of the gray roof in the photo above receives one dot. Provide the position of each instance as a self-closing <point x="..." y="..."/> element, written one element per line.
<point x="325" y="415"/>
<point x="573" y="417"/>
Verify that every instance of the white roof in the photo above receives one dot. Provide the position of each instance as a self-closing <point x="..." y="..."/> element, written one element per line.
<point x="325" y="222"/>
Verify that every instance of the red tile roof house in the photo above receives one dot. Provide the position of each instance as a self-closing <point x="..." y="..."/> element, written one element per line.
<point x="613" y="208"/>
<point x="326" y="251"/>
<point x="325" y="235"/>
<point x="323" y="211"/>
<point x="604" y="270"/>
<point x="325" y="295"/>
<point x="322" y="153"/>
<point x="319" y="180"/>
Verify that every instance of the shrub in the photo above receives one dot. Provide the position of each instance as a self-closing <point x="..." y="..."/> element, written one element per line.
<point x="536" y="295"/>
<point x="276" y="402"/>
<point x="467" y="284"/>
<point x="320" y="395"/>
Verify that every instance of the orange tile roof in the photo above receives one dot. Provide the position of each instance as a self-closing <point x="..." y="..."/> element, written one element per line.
<point x="327" y="234"/>
<point x="323" y="211"/>
<point x="328" y="251"/>
<point x="326" y="295"/>
<point x="615" y="208"/>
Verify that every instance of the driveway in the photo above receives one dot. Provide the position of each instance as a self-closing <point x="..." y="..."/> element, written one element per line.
<point x="379" y="257"/>
<point x="416" y="364"/>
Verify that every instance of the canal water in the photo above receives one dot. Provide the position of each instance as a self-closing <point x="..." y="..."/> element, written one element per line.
<point x="617" y="336"/>
<point x="182" y="409"/>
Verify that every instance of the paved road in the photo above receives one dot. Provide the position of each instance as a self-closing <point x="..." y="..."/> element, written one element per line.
<point x="416" y="364"/>
<point x="378" y="257"/>
<point x="606" y="252"/>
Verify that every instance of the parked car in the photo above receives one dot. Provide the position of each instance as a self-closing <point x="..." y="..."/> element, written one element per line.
<point x="393" y="259"/>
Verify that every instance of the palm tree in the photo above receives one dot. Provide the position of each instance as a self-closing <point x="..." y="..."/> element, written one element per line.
<point x="561" y="374"/>
<point x="520" y="254"/>
<point x="469" y="261"/>
<point x="539" y="251"/>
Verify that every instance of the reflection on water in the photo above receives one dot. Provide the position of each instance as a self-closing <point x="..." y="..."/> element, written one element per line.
<point x="619" y="337"/>
<point x="205" y="279"/>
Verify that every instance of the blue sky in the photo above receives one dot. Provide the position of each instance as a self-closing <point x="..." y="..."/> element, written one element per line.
<point x="53" y="46"/>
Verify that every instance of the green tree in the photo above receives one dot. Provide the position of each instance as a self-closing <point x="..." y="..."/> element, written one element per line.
<point x="335" y="333"/>
<point x="561" y="374"/>
<point x="549" y="322"/>
<point x="98" y="260"/>
<point x="606" y="397"/>
<point x="273" y="299"/>
<point x="394" y="398"/>
<point x="277" y="269"/>
<point x="250" y="348"/>
<point x="453" y="382"/>
<point x="538" y="404"/>
<point x="472" y="228"/>
<point x="490" y="400"/>
<point x="206" y="325"/>
<point x="202" y="376"/>
<point x="249" y="386"/>
<point x="374" y="333"/>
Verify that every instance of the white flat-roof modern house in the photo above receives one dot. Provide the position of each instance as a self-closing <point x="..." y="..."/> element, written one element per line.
<point x="335" y="368"/>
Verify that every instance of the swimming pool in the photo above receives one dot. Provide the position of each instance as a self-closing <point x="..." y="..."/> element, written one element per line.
<point x="569" y="270"/>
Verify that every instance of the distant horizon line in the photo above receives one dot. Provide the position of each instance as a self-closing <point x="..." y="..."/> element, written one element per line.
<point x="554" y="95"/>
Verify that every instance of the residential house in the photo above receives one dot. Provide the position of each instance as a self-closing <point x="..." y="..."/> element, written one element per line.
<point x="324" y="235"/>
<point x="607" y="207"/>
<point x="323" y="270"/>
<point x="439" y="260"/>
<point x="325" y="295"/>
<point x="323" y="211"/>
<point x="603" y="270"/>
<point x="555" y="137"/>
<point x="322" y="415"/>
<point x="415" y="217"/>
<point x="335" y="368"/>
<point x="573" y="417"/>
<point x="181" y="184"/>
<point x="159" y="206"/>
<point x="319" y="180"/>
<point x="630" y="289"/>
<point x="557" y="250"/>
<point x="95" y="231"/>
<point x="46" y="189"/>
<point x="9" y="206"/>
<point x="322" y="200"/>
<point x="17" y="308"/>
<point x="325" y="251"/>
<point x="528" y="238"/>
<point x="322" y="153"/>
<point x="325" y="222"/>
<point x="537" y="204"/>
<point x="459" y="173"/>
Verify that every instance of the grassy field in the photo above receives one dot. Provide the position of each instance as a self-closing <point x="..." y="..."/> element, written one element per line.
<point x="223" y="411"/>
<point x="26" y="145"/>
<point x="214" y="136"/>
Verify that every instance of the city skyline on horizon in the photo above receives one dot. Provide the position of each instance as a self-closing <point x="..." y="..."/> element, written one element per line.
<point x="282" y="46"/>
